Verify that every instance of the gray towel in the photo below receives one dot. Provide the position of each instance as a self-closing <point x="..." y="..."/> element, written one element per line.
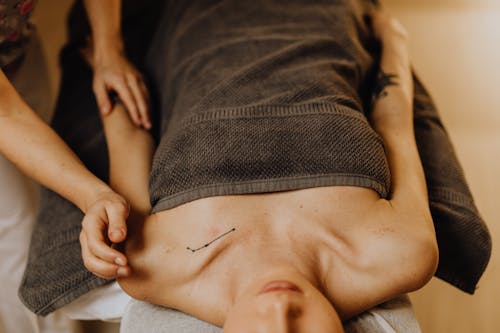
<point x="255" y="96"/>
<point x="394" y="316"/>
<point x="262" y="96"/>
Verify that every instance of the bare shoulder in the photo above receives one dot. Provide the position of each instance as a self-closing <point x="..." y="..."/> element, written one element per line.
<point x="402" y="242"/>
<point x="395" y="252"/>
<point x="150" y="251"/>
<point x="163" y="268"/>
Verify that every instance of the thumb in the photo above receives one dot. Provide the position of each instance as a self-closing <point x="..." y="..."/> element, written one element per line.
<point x="117" y="222"/>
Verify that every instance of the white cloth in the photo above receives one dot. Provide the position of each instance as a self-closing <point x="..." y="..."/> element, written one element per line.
<point x="106" y="303"/>
<point x="18" y="204"/>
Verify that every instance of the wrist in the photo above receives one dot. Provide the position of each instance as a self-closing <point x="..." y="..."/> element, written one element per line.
<point x="108" y="47"/>
<point x="93" y="193"/>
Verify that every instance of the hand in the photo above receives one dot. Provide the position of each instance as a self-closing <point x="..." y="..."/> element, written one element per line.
<point x="105" y="224"/>
<point x="113" y="72"/>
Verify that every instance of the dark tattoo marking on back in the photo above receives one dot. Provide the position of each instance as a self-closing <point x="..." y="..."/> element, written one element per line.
<point x="383" y="80"/>
<point x="207" y="244"/>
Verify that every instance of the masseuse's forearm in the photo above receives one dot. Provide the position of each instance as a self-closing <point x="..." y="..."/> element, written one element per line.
<point x="37" y="150"/>
<point x="105" y="21"/>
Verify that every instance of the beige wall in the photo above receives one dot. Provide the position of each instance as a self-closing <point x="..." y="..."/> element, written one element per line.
<point x="455" y="48"/>
<point x="50" y="19"/>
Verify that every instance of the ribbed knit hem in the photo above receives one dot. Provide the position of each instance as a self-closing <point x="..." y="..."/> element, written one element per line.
<point x="270" y="185"/>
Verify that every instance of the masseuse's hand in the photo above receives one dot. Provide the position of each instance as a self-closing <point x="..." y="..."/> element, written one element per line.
<point x="114" y="73"/>
<point x="104" y="224"/>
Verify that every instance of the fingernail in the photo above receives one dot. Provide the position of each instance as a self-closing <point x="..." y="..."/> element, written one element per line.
<point x="116" y="233"/>
<point x="122" y="271"/>
<point x="119" y="261"/>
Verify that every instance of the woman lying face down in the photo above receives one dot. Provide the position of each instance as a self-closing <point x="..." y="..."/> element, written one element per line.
<point x="292" y="261"/>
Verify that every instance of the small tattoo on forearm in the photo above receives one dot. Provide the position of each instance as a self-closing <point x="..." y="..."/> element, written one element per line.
<point x="207" y="244"/>
<point x="383" y="80"/>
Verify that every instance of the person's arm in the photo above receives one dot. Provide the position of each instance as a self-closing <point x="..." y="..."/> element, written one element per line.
<point x="392" y="116"/>
<point x="399" y="252"/>
<point x="112" y="70"/>
<point x="40" y="153"/>
<point x="130" y="151"/>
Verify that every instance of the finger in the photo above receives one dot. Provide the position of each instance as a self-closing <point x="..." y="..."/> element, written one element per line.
<point x="94" y="229"/>
<point x="145" y="93"/>
<point x="101" y="95"/>
<point x="96" y="265"/>
<point x="123" y="271"/>
<point x="117" y="219"/>
<point x="134" y="85"/>
<point x="128" y="99"/>
<point x="144" y="90"/>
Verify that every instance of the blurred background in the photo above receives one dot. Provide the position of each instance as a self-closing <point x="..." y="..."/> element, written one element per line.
<point x="455" y="47"/>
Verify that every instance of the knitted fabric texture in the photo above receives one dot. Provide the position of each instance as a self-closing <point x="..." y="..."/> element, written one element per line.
<point x="255" y="96"/>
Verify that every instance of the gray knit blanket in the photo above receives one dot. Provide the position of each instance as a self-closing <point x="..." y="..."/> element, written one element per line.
<point x="255" y="96"/>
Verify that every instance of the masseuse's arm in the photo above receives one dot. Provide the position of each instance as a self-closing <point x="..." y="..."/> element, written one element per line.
<point x="112" y="70"/>
<point x="39" y="152"/>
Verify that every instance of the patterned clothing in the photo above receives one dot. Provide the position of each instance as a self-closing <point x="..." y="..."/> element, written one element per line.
<point x="15" y="29"/>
